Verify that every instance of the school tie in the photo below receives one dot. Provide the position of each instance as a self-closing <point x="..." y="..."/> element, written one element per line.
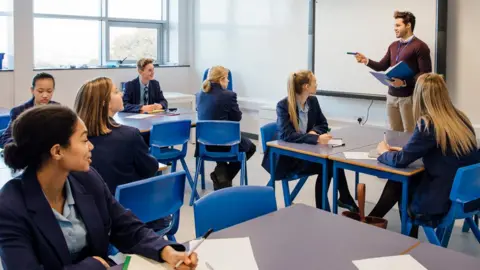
<point x="145" y="95"/>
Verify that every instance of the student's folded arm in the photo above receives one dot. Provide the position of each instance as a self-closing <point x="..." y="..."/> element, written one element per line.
<point x="145" y="164"/>
<point x="130" y="235"/>
<point x="418" y="146"/>
<point x="383" y="65"/>
<point x="127" y="101"/>
<point x="234" y="113"/>
<point x="288" y="133"/>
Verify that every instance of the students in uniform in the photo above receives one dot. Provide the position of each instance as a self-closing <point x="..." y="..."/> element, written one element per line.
<point x="144" y="94"/>
<point x="300" y="120"/>
<point x="216" y="103"/>
<point x="444" y="139"/>
<point x="59" y="214"/>
<point x="43" y="86"/>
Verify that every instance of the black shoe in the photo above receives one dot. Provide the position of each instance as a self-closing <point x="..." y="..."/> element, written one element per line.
<point x="216" y="184"/>
<point x="352" y="207"/>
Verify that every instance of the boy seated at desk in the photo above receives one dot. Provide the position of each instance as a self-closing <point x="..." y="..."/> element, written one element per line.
<point x="43" y="86"/>
<point x="143" y="94"/>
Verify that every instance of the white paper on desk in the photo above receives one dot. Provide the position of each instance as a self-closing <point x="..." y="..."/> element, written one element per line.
<point x="223" y="254"/>
<point x="400" y="262"/>
<point x="335" y="142"/>
<point x="141" y="263"/>
<point x="139" y="116"/>
<point x="357" y="155"/>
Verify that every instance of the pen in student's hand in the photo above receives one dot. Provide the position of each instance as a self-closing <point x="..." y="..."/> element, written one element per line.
<point x="385" y="137"/>
<point x="338" y="145"/>
<point x="352" y="53"/>
<point x="195" y="246"/>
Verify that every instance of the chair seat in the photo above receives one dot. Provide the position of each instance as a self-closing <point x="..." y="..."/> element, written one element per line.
<point x="220" y="156"/>
<point x="167" y="154"/>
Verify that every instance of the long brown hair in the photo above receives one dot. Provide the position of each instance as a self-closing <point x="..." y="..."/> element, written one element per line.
<point x="296" y="81"/>
<point x="91" y="105"/>
<point x="215" y="74"/>
<point x="432" y="104"/>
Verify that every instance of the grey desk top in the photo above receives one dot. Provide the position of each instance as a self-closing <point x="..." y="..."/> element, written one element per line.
<point x="4" y="111"/>
<point x="353" y="137"/>
<point x="439" y="258"/>
<point x="412" y="169"/>
<point x="144" y="125"/>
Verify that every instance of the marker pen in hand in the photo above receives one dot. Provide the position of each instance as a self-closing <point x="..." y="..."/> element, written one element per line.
<point x="195" y="246"/>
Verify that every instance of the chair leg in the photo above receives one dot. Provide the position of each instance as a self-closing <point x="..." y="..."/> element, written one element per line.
<point x="357" y="180"/>
<point x="465" y="227"/>
<point x="189" y="177"/>
<point x="297" y="188"/>
<point x="286" y="193"/>
<point x="446" y="235"/>
<point x="474" y="228"/>
<point x="174" y="166"/>
<point x="246" y="172"/>
<point x="409" y="226"/>
<point x="203" y="175"/>
<point x="195" y="180"/>
<point x="431" y="236"/>
<point x="242" y="173"/>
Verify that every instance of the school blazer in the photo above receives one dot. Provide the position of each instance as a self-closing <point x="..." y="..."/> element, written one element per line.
<point x="31" y="238"/>
<point x="131" y="96"/>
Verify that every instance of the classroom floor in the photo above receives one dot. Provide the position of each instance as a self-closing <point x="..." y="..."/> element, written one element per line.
<point x="461" y="242"/>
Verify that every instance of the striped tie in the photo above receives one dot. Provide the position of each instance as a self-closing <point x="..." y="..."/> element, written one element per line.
<point x="145" y="95"/>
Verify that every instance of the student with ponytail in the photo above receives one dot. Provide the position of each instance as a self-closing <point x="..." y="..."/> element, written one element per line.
<point x="300" y="120"/>
<point x="216" y="103"/>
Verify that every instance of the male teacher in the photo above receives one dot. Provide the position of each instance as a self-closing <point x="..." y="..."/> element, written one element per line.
<point x="413" y="52"/>
<point x="143" y="94"/>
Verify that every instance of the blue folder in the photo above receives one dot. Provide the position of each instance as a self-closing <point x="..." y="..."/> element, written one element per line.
<point x="400" y="71"/>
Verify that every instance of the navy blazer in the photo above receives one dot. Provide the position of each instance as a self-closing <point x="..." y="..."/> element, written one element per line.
<point x="131" y="96"/>
<point x="218" y="104"/>
<point x="286" y="132"/>
<point x="31" y="238"/>
<point x="14" y="113"/>
<point x="122" y="157"/>
<point x="432" y="192"/>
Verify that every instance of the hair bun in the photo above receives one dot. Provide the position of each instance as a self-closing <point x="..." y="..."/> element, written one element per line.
<point x="13" y="157"/>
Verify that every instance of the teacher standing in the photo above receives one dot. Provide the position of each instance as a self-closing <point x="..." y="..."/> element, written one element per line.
<point x="416" y="54"/>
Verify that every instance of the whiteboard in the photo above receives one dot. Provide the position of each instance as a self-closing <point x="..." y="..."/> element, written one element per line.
<point x="364" y="26"/>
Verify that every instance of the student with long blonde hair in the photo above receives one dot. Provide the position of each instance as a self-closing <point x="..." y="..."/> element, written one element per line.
<point x="444" y="139"/>
<point x="214" y="102"/>
<point x="300" y="120"/>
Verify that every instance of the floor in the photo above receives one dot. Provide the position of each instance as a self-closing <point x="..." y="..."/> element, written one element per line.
<point x="462" y="242"/>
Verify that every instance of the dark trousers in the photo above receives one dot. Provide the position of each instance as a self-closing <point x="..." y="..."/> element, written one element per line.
<point x="230" y="169"/>
<point x="306" y="167"/>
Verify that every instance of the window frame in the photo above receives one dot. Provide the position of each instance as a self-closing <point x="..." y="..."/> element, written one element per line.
<point x="107" y="22"/>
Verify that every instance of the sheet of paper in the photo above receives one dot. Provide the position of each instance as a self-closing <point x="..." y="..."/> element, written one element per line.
<point x="400" y="262"/>
<point x="335" y="142"/>
<point x="142" y="263"/>
<point x="357" y="155"/>
<point x="139" y="116"/>
<point x="221" y="254"/>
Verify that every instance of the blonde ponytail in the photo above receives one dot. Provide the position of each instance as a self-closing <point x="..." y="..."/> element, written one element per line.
<point x="292" y="102"/>
<point x="215" y="75"/>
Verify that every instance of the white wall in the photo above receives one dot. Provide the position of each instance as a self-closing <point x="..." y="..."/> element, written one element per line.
<point x="6" y="89"/>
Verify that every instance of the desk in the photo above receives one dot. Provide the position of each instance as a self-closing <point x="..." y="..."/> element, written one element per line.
<point x="175" y="98"/>
<point x="375" y="168"/>
<point x="439" y="258"/>
<point x="4" y="111"/>
<point x="145" y="124"/>
<point x="353" y="137"/>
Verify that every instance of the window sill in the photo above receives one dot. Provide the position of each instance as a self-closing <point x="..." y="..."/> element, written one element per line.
<point x="106" y="67"/>
<point x="6" y="70"/>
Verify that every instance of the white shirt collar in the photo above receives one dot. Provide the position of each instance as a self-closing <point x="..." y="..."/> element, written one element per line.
<point x="407" y="40"/>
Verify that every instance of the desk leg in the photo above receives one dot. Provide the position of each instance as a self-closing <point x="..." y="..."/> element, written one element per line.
<point x="324" y="186"/>
<point x="404" y="205"/>
<point x="335" y="188"/>
<point x="272" y="168"/>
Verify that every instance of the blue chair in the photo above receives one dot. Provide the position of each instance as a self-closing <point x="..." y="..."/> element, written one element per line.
<point x="155" y="198"/>
<point x="219" y="133"/>
<point x="465" y="227"/>
<point x="4" y="120"/>
<point x="230" y="83"/>
<point x="267" y="133"/>
<point x="465" y="189"/>
<point x="230" y="206"/>
<point x="163" y="138"/>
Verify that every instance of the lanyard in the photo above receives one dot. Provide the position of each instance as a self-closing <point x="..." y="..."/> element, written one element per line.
<point x="400" y="51"/>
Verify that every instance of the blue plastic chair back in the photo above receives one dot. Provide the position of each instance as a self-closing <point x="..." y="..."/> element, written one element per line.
<point x="230" y="81"/>
<point x="230" y="206"/>
<point x="218" y="133"/>
<point x="4" y="120"/>
<point x="267" y="133"/>
<point x="466" y="186"/>
<point x="169" y="134"/>
<point x="154" y="198"/>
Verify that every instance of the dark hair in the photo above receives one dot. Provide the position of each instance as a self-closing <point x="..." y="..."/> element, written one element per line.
<point x="41" y="76"/>
<point x="35" y="132"/>
<point x="406" y="16"/>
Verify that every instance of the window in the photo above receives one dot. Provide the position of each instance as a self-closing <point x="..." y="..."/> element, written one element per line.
<point x="93" y="32"/>
<point x="6" y="34"/>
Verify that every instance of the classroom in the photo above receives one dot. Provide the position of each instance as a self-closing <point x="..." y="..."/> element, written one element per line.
<point x="239" y="134"/>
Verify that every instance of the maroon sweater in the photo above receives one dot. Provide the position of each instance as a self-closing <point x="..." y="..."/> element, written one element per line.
<point x="416" y="54"/>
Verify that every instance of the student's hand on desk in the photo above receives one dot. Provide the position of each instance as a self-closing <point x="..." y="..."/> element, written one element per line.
<point x="361" y="58"/>
<point x="397" y="83"/>
<point x="324" y="138"/>
<point x="102" y="261"/>
<point x="148" y="108"/>
<point x="158" y="106"/>
<point x="383" y="147"/>
<point x="312" y="132"/>
<point x="172" y="257"/>
<point x="395" y="148"/>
